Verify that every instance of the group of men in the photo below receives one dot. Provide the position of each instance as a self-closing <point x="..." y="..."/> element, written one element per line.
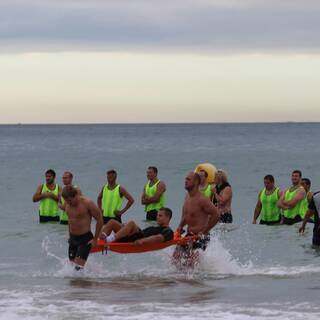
<point x="297" y="203"/>
<point x="199" y="212"/>
<point x="110" y="199"/>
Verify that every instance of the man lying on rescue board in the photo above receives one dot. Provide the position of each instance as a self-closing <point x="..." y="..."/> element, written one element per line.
<point x="114" y="231"/>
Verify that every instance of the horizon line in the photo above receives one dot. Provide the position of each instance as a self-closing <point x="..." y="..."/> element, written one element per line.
<point x="148" y="123"/>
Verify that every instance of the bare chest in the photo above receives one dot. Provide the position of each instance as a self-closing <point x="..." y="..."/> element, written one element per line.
<point x="78" y="213"/>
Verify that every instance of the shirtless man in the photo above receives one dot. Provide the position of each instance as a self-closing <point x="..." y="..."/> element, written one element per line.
<point x="80" y="210"/>
<point x="67" y="179"/>
<point x="198" y="212"/>
<point x="200" y="215"/>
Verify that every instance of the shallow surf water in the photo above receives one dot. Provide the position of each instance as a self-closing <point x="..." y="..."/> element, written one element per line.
<point x="248" y="271"/>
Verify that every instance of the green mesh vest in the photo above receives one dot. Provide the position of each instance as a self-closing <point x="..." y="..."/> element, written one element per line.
<point x="111" y="201"/>
<point x="305" y="206"/>
<point x="63" y="214"/>
<point x="49" y="207"/>
<point x="297" y="210"/>
<point x="270" y="211"/>
<point x="207" y="192"/>
<point x="150" y="192"/>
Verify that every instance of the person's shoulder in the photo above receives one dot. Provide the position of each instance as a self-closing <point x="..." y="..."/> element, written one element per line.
<point x="161" y="183"/>
<point x="86" y="201"/>
<point x="228" y="186"/>
<point x="168" y="229"/>
<point x="203" y="200"/>
<point x="164" y="229"/>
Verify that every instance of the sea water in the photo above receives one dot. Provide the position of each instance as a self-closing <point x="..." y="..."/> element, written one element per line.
<point x="247" y="272"/>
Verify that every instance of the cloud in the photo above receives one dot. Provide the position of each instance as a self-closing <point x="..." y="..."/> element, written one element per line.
<point x="247" y="25"/>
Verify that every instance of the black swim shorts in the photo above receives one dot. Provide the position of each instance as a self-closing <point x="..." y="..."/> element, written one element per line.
<point x="136" y="236"/>
<point x="290" y="221"/>
<point x="152" y="215"/>
<point x="107" y="219"/>
<point x="226" y="217"/>
<point x="201" y="243"/>
<point x="269" y="223"/>
<point x="43" y="219"/>
<point x="79" y="247"/>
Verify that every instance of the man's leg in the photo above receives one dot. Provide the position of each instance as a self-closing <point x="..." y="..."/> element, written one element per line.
<point x="127" y="230"/>
<point x="82" y="250"/>
<point x="112" y="225"/>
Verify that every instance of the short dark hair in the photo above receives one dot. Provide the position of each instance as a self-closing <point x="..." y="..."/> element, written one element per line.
<point x="112" y="171"/>
<point x="69" y="173"/>
<point x="307" y="181"/>
<point x="154" y="169"/>
<point x="269" y="177"/>
<point x="167" y="212"/>
<point x="298" y="172"/>
<point x="205" y="173"/>
<point x="69" y="192"/>
<point x="51" y="172"/>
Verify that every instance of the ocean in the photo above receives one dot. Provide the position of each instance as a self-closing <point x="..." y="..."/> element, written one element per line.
<point x="247" y="272"/>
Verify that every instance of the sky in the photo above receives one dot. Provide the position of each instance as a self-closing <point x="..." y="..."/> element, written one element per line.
<point x="124" y="61"/>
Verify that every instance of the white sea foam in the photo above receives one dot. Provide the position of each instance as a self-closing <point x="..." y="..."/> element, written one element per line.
<point x="215" y="261"/>
<point x="218" y="260"/>
<point x="37" y="305"/>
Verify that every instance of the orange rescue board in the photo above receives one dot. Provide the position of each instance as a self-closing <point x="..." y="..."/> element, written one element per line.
<point x="130" y="247"/>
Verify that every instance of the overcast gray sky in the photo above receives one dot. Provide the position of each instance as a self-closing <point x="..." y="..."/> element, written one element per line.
<point x="167" y="24"/>
<point x="115" y="61"/>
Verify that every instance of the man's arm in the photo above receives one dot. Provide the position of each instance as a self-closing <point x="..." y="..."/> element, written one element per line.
<point x="280" y="202"/>
<point x="130" y="201"/>
<point x="152" y="239"/>
<point x="212" y="212"/>
<point x="62" y="206"/>
<point x="38" y="195"/>
<point x="257" y="210"/>
<point x="161" y="188"/>
<point x="54" y="197"/>
<point x="308" y="215"/>
<point x="182" y="221"/>
<point x="99" y="199"/>
<point x="225" y="197"/>
<point x="143" y="196"/>
<point x="293" y="202"/>
<point x="96" y="213"/>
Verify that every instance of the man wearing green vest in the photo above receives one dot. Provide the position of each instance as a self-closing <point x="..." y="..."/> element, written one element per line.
<point x="266" y="206"/>
<point x="205" y="188"/>
<point x="153" y="195"/>
<point x="291" y="201"/>
<point x="67" y="181"/>
<point x="110" y="199"/>
<point x="48" y="194"/>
